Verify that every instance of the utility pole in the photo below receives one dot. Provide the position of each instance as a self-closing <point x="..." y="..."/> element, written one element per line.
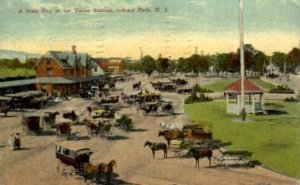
<point x="141" y="54"/>
<point x="242" y="60"/>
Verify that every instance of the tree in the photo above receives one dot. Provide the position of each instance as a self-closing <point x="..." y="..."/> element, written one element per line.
<point x="30" y="63"/>
<point x="15" y="63"/>
<point x="260" y="60"/>
<point x="279" y="59"/>
<point x="192" y="63"/>
<point x="148" y="65"/>
<point x="293" y="60"/>
<point x="249" y="53"/>
<point x="162" y="65"/>
<point x="172" y="66"/>
<point x="222" y="63"/>
<point x="234" y="62"/>
<point x="181" y="65"/>
<point x="203" y="64"/>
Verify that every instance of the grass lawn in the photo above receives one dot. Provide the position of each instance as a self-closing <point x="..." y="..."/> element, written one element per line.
<point x="273" y="139"/>
<point x="220" y="85"/>
<point x="7" y="72"/>
<point x="266" y="86"/>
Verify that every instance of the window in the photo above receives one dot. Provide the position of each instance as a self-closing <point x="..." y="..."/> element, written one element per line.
<point x="48" y="61"/>
<point x="95" y="69"/>
<point x="49" y="71"/>
<point x="65" y="151"/>
<point x="58" y="149"/>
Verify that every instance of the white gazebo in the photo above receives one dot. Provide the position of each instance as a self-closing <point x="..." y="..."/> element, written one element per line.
<point x="253" y="104"/>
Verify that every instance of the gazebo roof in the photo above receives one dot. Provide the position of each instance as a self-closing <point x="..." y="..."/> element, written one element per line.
<point x="250" y="87"/>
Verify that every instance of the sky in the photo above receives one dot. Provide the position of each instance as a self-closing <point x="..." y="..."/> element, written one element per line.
<point x="210" y="25"/>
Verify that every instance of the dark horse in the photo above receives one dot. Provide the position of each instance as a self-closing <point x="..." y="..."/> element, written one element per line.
<point x="137" y="85"/>
<point x="70" y="115"/>
<point x="199" y="153"/>
<point x="157" y="146"/>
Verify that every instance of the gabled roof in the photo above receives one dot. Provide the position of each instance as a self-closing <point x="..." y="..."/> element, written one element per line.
<point x="67" y="59"/>
<point x="250" y="87"/>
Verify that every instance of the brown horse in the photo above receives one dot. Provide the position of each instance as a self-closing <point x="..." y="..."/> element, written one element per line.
<point x="91" y="127"/>
<point x="106" y="168"/>
<point x="199" y="153"/>
<point x="171" y="134"/>
<point x="90" y="171"/>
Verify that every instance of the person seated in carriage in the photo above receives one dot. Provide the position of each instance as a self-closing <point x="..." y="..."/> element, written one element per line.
<point x="14" y="141"/>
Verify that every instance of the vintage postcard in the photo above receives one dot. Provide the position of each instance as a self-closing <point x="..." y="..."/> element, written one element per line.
<point x="150" y="92"/>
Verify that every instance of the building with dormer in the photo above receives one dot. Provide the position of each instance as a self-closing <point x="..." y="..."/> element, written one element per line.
<point x="61" y="73"/>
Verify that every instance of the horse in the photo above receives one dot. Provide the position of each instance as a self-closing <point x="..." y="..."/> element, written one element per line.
<point x="168" y="108"/>
<point x="137" y="85"/>
<point x="91" y="127"/>
<point x="170" y="134"/>
<point x="157" y="146"/>
<point x="107" y="168"/>
<point x="90" y="171"/>
<point x="70" y="115"/>
<point x="50" y="118"/>
<point x="149" y="109"/>
<point x="4" y="109"/>
<point x="201" y="153"/>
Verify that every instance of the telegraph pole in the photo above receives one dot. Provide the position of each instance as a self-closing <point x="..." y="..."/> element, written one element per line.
<point x="242" y="60"/>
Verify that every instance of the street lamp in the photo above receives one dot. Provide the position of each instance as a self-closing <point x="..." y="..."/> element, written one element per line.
<point x="242" y="60"/>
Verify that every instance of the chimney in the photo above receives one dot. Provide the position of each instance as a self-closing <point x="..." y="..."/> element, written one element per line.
<point x="74" y="49"/>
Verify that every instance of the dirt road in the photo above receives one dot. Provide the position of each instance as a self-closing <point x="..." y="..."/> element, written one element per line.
<point x="36" y="163"/>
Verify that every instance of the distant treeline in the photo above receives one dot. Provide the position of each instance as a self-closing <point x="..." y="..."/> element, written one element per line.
<point x="256" y="62"/>
<point x="16" y="63"/>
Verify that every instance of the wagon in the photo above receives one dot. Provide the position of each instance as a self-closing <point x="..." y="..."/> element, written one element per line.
<point x="31" y="124"/>
<point x="103" y="113"/>
<point x="167" y="107"/>
<point x="63" y="129"/>
<point x="73" y="154"/>
<point x="149" y="108"/>
<point x="236" y="161"/>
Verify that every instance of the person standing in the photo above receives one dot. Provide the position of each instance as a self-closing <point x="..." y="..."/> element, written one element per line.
<point x="11" y="142"/>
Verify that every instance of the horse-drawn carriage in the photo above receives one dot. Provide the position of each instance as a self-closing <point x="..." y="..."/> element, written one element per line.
<point x="164" y="86"/>
<point x="103" y="113"/>
<point x="75" y="158"/>
<point x="72" y="154"/>
<point x="98" y="127"/>
<point x="150" y="97"/>
<point x="236" y="159"/>
<point x="111" y="99"/>
<point x="167" y="107"/>
<point x="27" y="99"/>
<point x="184" y="91"/>
<point x="31" y="124"/>
<point x="178" y="81"/>
<point x="149" y="108"/>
